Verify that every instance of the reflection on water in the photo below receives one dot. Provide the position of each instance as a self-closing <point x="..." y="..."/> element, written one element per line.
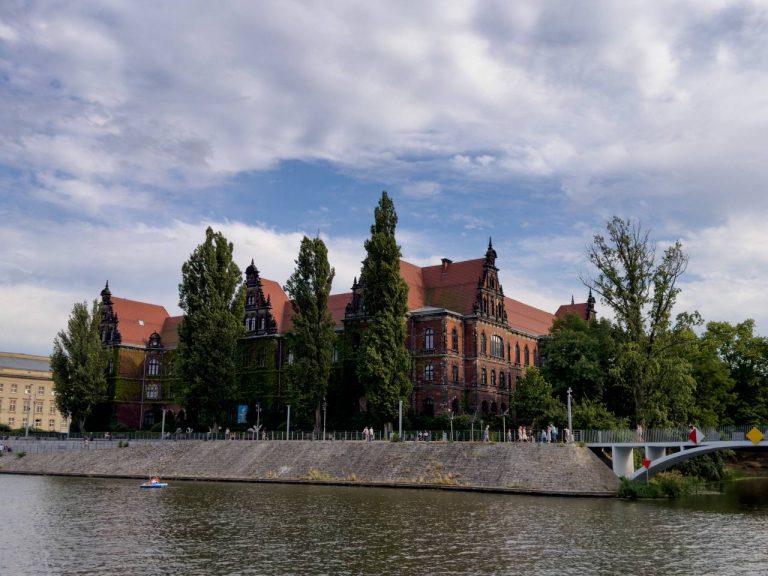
<point x="104" y="526"/>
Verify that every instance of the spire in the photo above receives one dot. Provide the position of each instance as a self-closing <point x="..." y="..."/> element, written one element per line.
<point x="490" y="254"/>
<point x="572" y="301"/>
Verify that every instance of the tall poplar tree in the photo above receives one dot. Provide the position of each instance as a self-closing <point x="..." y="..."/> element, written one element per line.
<point x="211" y="297"/>
<point x="79" y="364"/>
<point x="383" y="362"/>
<point x="313" y="334"/>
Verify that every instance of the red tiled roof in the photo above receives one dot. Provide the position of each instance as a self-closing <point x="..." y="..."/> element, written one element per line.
<point x="579" y="310"/>
<point x="337" y="304"/>
<point x="453" y="286"/>
<point x="137" y="320"/>
<point x="413" y="276"/>
<point x="169" y="335"/>
<point x="281" y="307"/>
<point x="527" y="318"/>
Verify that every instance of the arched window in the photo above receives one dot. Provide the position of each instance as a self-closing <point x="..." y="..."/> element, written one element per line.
<point x="429" y="407"/>
<point x="503" y="408"/>
<point x="455" y="373"/>
<point x="429" y="372"/>
<point x="493" y="378"/>
<point x="485" y="407"/>
<point x="483" y="343"/>
<point x="454" y="340"/>
<point x="517" y="354"/>
<point x="502" y="380"/>
<point x="494" y="408"/>
<point x="484" y="377"/>
<point x="429" y="339"/>
<point x="497" y="347"/>
<point x="455" y="406"/>
<point x="527" y="356"/>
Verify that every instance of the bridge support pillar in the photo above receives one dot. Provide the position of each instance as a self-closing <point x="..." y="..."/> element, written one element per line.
<point x="623" y="461"/>
<point x="655" y="452"/>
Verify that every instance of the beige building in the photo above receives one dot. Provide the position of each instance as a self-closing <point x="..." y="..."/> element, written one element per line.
<point x="26" y="393"/>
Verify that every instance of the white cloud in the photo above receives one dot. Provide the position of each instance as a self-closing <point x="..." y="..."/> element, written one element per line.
<point x="130" y="112"/>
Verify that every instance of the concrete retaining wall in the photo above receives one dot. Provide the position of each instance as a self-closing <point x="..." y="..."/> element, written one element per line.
<point x="522" y="468"/>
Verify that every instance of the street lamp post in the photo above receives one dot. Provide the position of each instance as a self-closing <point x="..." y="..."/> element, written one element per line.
<point x="570" y="424"/>
<point x="450" y="415"/>
<point x="162" y="428"/>
<point x="324" y="407"/>
<point x="504" y="426"/>
<point x="288" y="424"/>
<point x="258" y="412"/>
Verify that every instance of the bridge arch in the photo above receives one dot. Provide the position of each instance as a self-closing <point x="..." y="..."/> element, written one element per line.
<point x="665" y="462"/>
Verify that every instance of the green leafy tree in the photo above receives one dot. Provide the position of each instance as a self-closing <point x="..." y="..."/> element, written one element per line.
<point x="533" y="402"/>
<point x="79" y="364"/>
<point x="641" y="291"/>
<point x="383" y="362"/>
<point x="577" y="355"/>
<point x="746" y="357"/>
<point x="590" y="414"/>
<point x="211" y="297"/>
<point x="313" y="334"/>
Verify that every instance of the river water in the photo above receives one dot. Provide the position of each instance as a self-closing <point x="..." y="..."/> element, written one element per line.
<point x="52" y="525"/>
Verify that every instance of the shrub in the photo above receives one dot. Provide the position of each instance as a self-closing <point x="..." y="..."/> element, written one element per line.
<point x="21" y="454"/>
<point x="673" y="484"/>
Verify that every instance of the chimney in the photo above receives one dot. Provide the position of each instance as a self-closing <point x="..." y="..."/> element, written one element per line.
<point x="446" y="263"/>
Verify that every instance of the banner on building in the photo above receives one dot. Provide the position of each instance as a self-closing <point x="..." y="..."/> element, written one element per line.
<point x="242" y="412"/>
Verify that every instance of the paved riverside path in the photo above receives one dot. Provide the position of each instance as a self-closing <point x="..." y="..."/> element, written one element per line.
<point x="505" y="467"/>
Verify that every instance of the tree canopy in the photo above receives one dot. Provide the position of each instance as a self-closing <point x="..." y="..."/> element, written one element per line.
<point x="212" y="299"/>
<point x="79" y="364"/>
<point x="651" y="365"/>
<point x="313" y="336"/>
<point x="383" y="362"/>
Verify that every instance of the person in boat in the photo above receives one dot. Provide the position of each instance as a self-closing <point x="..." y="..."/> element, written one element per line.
<point x="155" y="480"/>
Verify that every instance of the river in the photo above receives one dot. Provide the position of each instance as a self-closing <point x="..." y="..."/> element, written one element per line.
<point x="53" y="525"/>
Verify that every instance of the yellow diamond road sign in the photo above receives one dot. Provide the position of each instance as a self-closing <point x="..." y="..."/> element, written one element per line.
<point x="755" y="436"/>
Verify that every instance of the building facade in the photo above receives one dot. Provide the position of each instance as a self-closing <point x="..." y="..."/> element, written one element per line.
<point x="26" y="394"/>
<point x="469" y="344"/>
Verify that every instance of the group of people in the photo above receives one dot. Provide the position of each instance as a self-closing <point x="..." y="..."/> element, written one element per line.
<point x="548" y="435"/>
<point x="369" y="434"/>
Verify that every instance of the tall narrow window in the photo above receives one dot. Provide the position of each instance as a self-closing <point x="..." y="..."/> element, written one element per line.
<point x="455" y="373"/>
<point x="429" y="339"/>
<point x="517" y="354"/>
<point x="429" y="372"/>
<point x="493" y="378"/>
<point x="497" y="347"/>
<point x="154" y="367"/>
<point x="502" y="380"/>
<point x="484" y="377"/>
<point x="454" y="340"/>
<point x="483" y="343"/>
<point x="527" y="356"/>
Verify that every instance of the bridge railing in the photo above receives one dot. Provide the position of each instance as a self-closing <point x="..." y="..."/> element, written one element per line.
<point x="666" y="435"/>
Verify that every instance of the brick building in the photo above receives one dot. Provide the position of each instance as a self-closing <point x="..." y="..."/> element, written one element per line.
<point x="468" y="341"/>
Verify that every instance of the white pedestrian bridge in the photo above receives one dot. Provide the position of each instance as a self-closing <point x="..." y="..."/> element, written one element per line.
<point x="666" y="447"/>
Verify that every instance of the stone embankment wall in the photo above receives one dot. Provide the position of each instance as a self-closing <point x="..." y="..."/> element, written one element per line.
<point x="521" y="468"/>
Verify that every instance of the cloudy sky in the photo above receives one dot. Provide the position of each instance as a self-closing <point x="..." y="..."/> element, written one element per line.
<point x="127" y="127"/>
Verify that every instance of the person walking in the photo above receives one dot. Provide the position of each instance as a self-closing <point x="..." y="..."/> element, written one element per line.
<point x="486" y="433"/>
<point x="365" y="434"/>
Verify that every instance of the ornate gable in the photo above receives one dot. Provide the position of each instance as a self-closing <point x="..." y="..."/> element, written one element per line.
<point x="356" y="307"/>
<point x="110" y="335"/>
<point x="258" y="309"/>
<point x="489" y="299"/>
